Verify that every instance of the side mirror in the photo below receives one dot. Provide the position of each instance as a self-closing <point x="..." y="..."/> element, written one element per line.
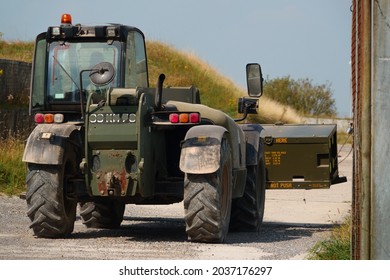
<point x="254" y="79"/>
<point x="102" y="74"/>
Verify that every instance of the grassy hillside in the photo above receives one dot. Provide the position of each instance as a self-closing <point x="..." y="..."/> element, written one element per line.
<point x="22" y="51"/>
<point x="217" y="91"/>
<point x="184" y="69"/>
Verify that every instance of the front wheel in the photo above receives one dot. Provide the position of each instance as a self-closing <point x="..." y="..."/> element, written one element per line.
<point x="207" y="201"/>
<point x="51" y="200"/>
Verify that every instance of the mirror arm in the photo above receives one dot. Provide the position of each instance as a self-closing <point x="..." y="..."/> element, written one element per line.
<point x="244" y="116"/>
<point x="81" y="92"/>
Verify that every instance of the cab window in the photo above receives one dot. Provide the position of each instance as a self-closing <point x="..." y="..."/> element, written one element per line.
<point x="135" y="66"/>
<point x="67" y="60"/>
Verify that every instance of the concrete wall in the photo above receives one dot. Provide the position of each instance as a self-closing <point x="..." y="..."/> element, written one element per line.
<point x="342" y="124"/>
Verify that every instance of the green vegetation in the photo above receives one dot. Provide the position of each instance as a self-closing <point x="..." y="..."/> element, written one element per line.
<point x="304" y="96"/>
<point x="337" y="247"/>
<point x="12" y="169"/>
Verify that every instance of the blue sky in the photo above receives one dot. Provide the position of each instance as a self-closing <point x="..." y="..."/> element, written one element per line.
<point x="299" y="38"/>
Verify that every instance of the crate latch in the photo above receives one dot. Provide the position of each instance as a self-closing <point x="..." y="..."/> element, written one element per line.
<point x="268" y="140"/>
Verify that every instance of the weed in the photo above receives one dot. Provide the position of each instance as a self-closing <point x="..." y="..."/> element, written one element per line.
<point x="12" y="169"/>
<point x="337" y="247"/>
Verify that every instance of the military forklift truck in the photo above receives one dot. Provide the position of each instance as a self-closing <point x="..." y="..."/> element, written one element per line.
<point x="104" y="139"/>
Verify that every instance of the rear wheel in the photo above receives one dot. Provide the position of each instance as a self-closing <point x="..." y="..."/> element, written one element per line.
<point x="50" y="196"/>
<point x="102" y="214"/>
<point x="248" y="211"/>
<point x="207" y="201"/>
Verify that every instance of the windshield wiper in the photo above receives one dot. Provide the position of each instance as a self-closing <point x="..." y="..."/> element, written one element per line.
<point x="70" y="77"/>
<point x="66" y="72"/>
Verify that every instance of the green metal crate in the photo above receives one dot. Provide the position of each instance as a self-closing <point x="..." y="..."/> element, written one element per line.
<point x="301" y="156"/>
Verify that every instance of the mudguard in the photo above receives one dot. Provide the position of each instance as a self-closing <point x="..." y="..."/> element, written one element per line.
<point x="200" y="153"/>
<point x="46" y="143"/>
<point x="254" y="143"/>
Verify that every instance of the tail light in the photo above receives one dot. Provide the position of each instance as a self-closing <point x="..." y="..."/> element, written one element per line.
<point x="174" y="118"/>
<point x="194" y="118"/>
<point x="39" y="118"/>
<point x="48" y="118"/>
<point x="184" y="117"/>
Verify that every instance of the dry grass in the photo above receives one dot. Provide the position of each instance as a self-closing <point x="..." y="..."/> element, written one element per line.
<point x="12" y="169"/>
<point x="337" y="247"/>
<point x="273" y="112"/>
<point x="16" y="50"/>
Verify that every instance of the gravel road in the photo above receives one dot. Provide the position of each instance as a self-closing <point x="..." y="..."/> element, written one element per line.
<point x="294" y="221"/>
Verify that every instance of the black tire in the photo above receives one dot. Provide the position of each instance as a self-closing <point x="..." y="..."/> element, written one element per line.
<point x="248" y="211"/>
<point x="102" y="214"/>
<point x="207" y="201"/>
<point x="51" y="201"/>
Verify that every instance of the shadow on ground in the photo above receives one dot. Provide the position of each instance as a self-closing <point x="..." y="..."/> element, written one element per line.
<point x="173" y="230"/>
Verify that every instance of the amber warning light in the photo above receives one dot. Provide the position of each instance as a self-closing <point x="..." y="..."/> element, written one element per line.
<point x="66" y="19"/>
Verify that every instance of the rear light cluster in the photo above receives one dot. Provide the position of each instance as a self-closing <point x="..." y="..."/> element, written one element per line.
<point x="48" y="118"/>
<point x="184" y="118"/>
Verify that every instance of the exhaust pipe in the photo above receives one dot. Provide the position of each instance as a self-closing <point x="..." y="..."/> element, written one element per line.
<point x="158" y="97"/>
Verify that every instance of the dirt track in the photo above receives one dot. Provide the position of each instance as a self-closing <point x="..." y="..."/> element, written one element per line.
<point x="294" y="221"/>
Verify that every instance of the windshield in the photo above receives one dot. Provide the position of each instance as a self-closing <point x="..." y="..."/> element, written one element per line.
<point x="66" y="60"/>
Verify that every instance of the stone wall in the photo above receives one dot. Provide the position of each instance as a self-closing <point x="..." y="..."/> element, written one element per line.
<point x="15" y="123"/>
<point x="15" y="79"/>
<point x="14" y="93"/>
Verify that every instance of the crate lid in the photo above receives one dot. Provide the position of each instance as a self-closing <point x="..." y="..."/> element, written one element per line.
<point x="298" y="130"/>
<point x="303" y="132"/>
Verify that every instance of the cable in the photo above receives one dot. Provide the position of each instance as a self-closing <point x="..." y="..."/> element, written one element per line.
<point x="350" y="132"/>
<point x="345" y="142"/>
<point x="346" y="156"/>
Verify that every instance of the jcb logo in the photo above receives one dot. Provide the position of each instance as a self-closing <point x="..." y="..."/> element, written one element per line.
<point x="108" y="118"/>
